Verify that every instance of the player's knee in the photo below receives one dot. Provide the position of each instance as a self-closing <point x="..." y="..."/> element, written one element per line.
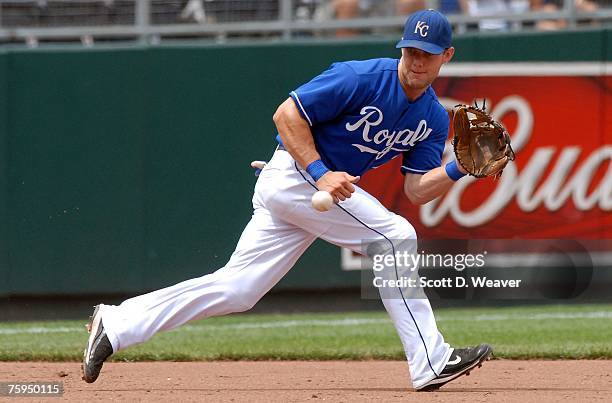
<point x="400" y="236"/>
<point x="242" y="300"/>
<point x="403" y="230"/>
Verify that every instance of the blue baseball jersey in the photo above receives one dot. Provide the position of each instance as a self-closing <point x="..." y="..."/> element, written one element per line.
<point x="361" y="118"/>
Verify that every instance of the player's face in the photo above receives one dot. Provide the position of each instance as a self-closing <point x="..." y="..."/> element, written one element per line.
<point x="419" y="69"/>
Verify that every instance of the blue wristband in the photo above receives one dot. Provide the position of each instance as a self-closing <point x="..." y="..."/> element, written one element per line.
<point x="316" y="169"/>
<point x="452" y="170"/>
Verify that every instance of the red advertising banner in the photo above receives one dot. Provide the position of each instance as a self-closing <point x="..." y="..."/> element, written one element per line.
<point x="560" y="185"/>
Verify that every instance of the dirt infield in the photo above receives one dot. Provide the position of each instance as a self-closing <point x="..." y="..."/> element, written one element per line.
<point x="333" y="381"/>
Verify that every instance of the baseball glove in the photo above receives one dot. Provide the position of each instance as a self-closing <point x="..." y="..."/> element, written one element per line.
<point x="481" y="144"/>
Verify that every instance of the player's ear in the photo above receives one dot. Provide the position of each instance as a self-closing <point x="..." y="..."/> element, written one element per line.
<point x="448" y="54"/>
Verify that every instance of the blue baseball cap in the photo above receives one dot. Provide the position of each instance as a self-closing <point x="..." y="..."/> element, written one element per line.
<point x="428" y="30"/>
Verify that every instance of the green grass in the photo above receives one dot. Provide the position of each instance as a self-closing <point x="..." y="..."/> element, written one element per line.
<point x="555" y="332"/>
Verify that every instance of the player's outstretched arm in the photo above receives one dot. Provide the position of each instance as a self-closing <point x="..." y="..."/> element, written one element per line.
<point x="297" y="139"/>
<point x="421" y="189"/>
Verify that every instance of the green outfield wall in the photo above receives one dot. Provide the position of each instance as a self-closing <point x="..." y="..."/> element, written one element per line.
<point x="126" y="169"/>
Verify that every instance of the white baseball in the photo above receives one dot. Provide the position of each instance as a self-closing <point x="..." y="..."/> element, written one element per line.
<point x="322" y="201"/>
<point x="258" y="164"/>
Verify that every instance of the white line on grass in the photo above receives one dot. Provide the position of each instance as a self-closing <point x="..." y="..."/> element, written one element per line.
<point x="43" y="330"/>
<point x="338" y="322"/>
<point x="293" y="323"/>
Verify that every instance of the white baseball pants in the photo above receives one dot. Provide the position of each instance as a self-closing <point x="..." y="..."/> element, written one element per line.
<point x="283" y="226"/>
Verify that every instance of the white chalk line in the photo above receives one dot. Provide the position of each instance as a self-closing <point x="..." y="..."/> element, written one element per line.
<point x="335" y="322"/>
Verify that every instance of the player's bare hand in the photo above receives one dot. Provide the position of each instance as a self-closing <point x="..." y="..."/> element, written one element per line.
<point x="338" y="184"/>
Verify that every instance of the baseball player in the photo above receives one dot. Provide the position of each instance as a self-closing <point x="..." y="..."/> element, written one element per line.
<point x="353" y="117"/>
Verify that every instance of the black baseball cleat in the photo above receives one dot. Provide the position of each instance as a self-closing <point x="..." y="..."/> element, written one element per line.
<point x="98" y="348"/>
<point x="462" y="361"/>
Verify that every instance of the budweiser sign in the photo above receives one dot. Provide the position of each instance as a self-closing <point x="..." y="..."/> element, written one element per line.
<point x="560" y="186"/>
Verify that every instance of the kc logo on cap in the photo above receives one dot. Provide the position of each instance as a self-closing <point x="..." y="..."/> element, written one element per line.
<point x="422" y="27"/>
<point x="428" y="30"/>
